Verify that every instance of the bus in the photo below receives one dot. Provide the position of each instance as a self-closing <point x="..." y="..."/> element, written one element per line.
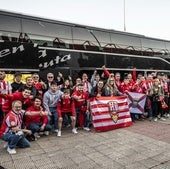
<point x="35" y="44"/>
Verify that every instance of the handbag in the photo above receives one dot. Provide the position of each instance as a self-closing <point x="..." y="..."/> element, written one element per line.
<point x="164" y="105"/>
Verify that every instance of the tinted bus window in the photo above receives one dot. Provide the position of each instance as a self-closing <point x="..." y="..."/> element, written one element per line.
<point x="119" y="61"/>
<point x="56" y="58"/>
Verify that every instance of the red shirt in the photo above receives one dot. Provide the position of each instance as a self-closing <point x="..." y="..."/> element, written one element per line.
<point x="82" y="100"/>
<point x="125" y="88"/>
<point x="15" y="96"/>
<point x="35" y="118"/>
<point x="66" y="105"/>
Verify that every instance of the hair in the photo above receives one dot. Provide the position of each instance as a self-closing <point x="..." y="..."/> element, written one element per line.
<point x="66" y="91"/>
<point x="16" y="101"/>
<point x="53" y="83"/>
<point x="37" y="97"/>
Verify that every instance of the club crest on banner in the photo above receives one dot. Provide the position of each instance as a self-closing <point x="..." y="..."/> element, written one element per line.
<point x="113" y="110"/>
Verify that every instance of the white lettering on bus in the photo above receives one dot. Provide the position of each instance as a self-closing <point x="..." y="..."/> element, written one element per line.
<point x="43" y="53"/>
<point x="55" y="61"/>
<point x="6" y="52"/>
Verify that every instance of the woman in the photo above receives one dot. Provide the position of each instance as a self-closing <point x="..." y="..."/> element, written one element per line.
<point x="111" y="89"/>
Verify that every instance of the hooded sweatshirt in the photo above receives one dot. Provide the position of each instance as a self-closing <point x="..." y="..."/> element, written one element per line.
<point x="50" y="99"/>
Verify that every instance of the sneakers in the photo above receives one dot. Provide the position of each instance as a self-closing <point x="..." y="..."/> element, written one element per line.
<point x="86" y="128"/>
<point x="5" y="145"/>
<point x="68" y="125"/>
<point x="74" y="131"/>
<point x="162" y="119"/>
<point x="56" y="130"/>
<point x="36" y="135"/>
<point x="46" y="133"/>
<point x="11" y="151"/>
<point x="155" y="119"/>
<point x="59" y="134"/>
<point x="167" y="115"/>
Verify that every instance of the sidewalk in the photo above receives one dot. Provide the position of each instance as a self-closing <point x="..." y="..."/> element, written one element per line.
<point x="144" y="145"/>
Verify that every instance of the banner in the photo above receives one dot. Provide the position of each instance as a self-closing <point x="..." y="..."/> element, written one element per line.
<point x="136" y="102"/>
<point x="110" y="112"/>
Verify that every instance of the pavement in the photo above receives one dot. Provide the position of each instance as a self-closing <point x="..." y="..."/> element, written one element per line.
<point x="144" y="145"/>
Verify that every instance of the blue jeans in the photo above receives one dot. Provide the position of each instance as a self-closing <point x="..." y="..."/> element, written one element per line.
<point x="86" y="118"/>
<point x="15" y="140"/>
<point x="53" y="120"/>
<point x="35" y="127"/>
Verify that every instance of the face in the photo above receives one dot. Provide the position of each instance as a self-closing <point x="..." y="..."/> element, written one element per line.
<point x="50" y="77"/>
<point x="111" y="81"/>
<point x="67" y="82"/>
<point x="17" y="107"/>
<point x="100" y="84"/>
<point x="97" y="78"/>
<point x="37" y="102"/>
<point x="117" y="77"/>
<point x="26" y="93"/>
<point x="67" y="95"/>
<point x="2" y="75"/>
<point x="29" y="81"/>
<point x="80" y="88"/>
<point x="126" y="81"/>
<point x="18" y="78"/>
<point x="35" y="78"/>
<point x="84" y="77"/>
<point x="78" y="81"/>
<point x="129" y="76"/>
<point x="53" y="88"/>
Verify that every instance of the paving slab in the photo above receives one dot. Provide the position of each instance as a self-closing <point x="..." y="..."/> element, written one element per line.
<point x="144" y="145"/>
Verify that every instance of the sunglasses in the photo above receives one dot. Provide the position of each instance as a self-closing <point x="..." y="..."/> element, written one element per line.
<point x="50" y="77"/>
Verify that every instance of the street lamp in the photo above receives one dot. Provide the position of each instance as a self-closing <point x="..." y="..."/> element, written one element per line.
<point x="124" y="16"/>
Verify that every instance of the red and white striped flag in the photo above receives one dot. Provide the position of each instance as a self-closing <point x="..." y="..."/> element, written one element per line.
<point x="110" y="112"/>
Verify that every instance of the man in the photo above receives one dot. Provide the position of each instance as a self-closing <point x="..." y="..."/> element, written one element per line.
<point x="11" y="129"/>
<point x="37" y="123"/>
<point x="29" y="84"/>
<point x="23" y="96"/>
<point x="17" y="82"/>
<point x="81" y="104"/>
<point x="5" y="88"/>
<point x="50" y="100"/>
<point x="66" y="108"/>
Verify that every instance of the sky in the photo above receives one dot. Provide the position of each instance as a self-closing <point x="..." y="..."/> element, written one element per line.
<point x="144" y="17"/>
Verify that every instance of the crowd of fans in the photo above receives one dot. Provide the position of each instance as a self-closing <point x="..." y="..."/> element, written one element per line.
<point x="33" y="108"/>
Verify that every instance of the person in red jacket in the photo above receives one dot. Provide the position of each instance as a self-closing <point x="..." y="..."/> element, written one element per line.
<point x="23" y="96"/>
<point x="12" y="129"/>
<point x="66" y="108"/>
<point x="37" y="123"/>
<point x="82" y="107"/>
<point x="125" y="87"/>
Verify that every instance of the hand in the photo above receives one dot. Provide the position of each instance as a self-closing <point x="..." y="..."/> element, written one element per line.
<point x="42" y="128"/>
<point x="103" y="66"/>
<point x="44" y="113"/>
<point x="69" y="78"/>
<point x="27" y="131"/>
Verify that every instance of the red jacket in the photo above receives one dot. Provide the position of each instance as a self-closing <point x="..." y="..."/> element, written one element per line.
<point x="66" y="105"/>
<point x="15" y="96"/>
<point x="82" y="101"/>
<point x="11" y="120"/>
<point x="125" y="88"/>
<point x="35" y="118"/>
